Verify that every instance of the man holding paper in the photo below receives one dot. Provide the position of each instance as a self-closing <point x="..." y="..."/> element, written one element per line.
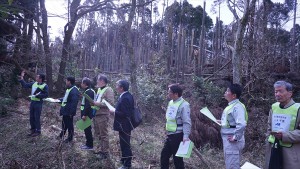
<point x="124" y="110"/>
<point x="284" y="125"/>
<point x="233" y="124"/>
<point x="178" y="127"/>
<point x="39" y="91"/>
<point x="87" y="112"/>
<point x="102" y="115"/>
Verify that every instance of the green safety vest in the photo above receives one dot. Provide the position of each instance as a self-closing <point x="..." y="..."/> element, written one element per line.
<point x="99" y="96"/>
<point x="171" y="113"/>
<point x="227" y="110"/>
<point x="83" y="99"/>
<point x="33" y="89"/>
<point x="64" y="101"/>
<point x="293" y="111"/>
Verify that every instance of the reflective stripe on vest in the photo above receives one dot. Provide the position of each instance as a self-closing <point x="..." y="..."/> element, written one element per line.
<point x="83" y="99"/>
<point x="224" y="120"/>
<point x="64" y="101"/>
<point x="171" y="113"/>
<point x="293" y="111"/>
<point x="99" y="97"/>
<point x="33" y="89"/>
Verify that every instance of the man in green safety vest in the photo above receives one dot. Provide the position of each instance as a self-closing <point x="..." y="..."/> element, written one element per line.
<point x="284" y="125"/>
<point x="102" y="116"/>
<point x="178" y="126"/>
<point x="87" y="112"/>
<point x="68" y="109"/>
<point x="233" y="123"/>
<point x="39" y="90"/>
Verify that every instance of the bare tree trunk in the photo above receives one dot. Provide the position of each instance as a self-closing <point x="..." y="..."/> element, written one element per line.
<point x="293" y="51"/>
<point x="238" y="41"/>
<point x="48" y="59"/>
<point x="68" y="30"/>
<point x="201" y="52"/>
<point x="129" y="45"/>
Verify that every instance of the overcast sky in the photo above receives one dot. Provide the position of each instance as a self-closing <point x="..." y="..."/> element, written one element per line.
<point x="57" y="11"/>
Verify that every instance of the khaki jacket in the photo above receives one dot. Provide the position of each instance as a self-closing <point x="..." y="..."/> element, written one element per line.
<point x="108" y="95"/>
<point x="291" y="156"/>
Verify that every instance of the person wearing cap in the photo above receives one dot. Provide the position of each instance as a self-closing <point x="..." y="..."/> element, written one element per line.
<point x="233" y="124"/>
<point x="101" y="118"/>
<point x="284" y="125"/>
<point x="39" y="91"/>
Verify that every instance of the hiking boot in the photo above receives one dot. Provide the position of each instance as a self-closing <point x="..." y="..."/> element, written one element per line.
<point x="35" y="134"/>
<point x="85" y="147"/>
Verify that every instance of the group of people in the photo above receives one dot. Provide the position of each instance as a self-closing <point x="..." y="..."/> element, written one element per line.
<point x="178" y="120"/>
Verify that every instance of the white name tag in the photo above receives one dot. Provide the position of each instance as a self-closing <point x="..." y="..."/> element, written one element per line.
<point x="281" y="122"/>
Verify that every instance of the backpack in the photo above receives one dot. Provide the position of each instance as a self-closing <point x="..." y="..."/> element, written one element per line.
<point x="136" y="118"/>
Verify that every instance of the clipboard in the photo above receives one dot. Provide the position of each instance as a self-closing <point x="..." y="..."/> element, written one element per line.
<point x="81" y="125"/>
<point x="185" y="150"/>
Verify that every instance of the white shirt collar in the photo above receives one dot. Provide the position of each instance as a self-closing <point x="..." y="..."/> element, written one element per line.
<point x="123" y="93"/>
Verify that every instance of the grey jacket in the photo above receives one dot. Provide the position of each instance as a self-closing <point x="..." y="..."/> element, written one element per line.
<point x="183" y="117"/>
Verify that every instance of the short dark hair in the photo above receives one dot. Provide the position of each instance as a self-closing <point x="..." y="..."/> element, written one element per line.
<point x="42" y="76"/>
<point x="124" y="84"/>
<point x="236" y="89"/>
<point x="87" y="81"/>
<point x="176" y="88"/>
<point x="102" y="77"/>
<point x="71" y="80"/>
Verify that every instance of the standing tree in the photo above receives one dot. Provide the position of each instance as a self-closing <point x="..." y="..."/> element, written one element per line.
<point x="237" y="49"/>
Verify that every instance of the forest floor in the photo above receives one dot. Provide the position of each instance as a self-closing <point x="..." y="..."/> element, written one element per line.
<point x="17" y="150"/>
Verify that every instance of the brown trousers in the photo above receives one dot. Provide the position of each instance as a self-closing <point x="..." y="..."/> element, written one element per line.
<point x="101" y="131"/>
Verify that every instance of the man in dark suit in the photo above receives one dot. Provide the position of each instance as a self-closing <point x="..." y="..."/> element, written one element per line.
<point x="68" y="108"/>
<point x="122" y="124"/>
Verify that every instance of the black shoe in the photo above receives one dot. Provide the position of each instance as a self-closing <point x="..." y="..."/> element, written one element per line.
<point x="31" y="132"/>
<point x="35" y="134"/>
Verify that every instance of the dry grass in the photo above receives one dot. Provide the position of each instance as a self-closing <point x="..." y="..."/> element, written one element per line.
<point x="19" y="151"/>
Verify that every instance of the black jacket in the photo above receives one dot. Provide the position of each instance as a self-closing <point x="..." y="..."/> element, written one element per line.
<point x="124" y="109"/>
<point x="71" y="104"/>
<point x="87" y="110"/>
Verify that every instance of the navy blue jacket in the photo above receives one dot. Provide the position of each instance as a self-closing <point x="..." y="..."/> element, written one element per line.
<point x="87" y="110"/>
<point x="124" y="109"/>
<point x="71" y="105"/>
<point x="43" y="93"/>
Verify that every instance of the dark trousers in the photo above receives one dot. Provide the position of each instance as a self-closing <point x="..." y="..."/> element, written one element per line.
<point x="88" y="136"/>
<point x="125" y="148"/>
<point x="67" y="124"/>
<point x="35" y="116"/>
<point x="170" y="148"/>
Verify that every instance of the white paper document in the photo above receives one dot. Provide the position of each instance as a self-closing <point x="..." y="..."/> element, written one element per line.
<point x="110" y="107"/>
<point x="208" y="114"/>
<point x="281" y="122"/>
<point x="52" y="100"/>
<point x="248" y="165"/>
<point x="183" y="148"/>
